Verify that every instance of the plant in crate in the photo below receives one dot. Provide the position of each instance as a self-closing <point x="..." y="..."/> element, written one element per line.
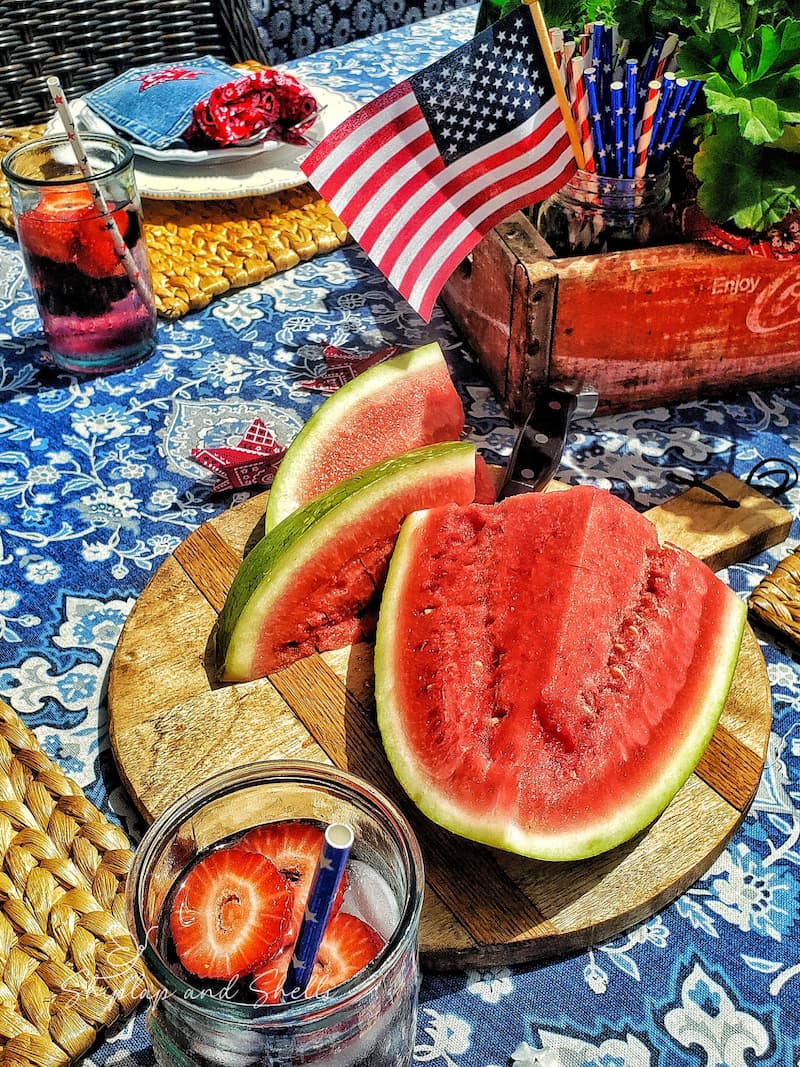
<point x="744" y="144"/>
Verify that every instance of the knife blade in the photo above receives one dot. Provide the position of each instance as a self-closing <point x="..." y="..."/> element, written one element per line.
<point x="540" y="441"/>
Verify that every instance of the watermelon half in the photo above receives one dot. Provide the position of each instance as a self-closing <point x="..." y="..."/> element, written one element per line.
<point x="313" y="582"/>
<point x="394" y="407"/>
<point x="548" y="675"/>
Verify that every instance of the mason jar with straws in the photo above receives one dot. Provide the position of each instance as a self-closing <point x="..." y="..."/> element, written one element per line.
<point x="628" y="115"/>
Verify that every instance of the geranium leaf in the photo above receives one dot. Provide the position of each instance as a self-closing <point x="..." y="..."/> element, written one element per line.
<point x="743" y="183"/>
<point x="736" y="65"/>
<point x="759" y="120"/>
<point x="724" y="15"/>
<point x="767" y="48"/>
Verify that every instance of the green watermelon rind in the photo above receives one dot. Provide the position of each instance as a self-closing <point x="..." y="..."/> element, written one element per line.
<point x="322" y="425"/>
<point x="502" y="832"/>
<point x="266" y="573"/>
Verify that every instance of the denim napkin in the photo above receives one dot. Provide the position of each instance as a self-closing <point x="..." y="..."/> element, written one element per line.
<point x="153" y="105"/>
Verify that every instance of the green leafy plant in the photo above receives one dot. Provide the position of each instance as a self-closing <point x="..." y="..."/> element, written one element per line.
<point x="746" y="159"/>
<point x="745" y="147"/>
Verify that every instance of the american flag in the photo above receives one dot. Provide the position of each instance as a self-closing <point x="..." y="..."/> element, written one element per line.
<point x="421" y="173"/>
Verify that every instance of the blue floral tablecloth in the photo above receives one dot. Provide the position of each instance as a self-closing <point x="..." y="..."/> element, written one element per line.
<point x="97" y="487"/>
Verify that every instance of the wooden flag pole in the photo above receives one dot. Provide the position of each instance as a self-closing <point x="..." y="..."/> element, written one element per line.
<point x="543" y="34"/>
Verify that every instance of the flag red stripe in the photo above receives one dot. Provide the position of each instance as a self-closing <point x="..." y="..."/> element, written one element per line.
<point x="345" y="171"/>
<point x="390" y="177"/>
<point x="527" y="165"/>
<point x="353" y="124"/>
<point x="445" y="269"/>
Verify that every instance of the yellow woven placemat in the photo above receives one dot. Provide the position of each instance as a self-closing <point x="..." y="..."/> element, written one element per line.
<point x="68" y="967"/>
<point x="11" y="138"/>
<point x="202" y="248"/>
<point x="776" y="599"/>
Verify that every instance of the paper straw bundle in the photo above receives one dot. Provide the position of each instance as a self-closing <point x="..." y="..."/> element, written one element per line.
<point x="645" y="134"/>
<point x="122" y="250"/>
<point x="580" y="108"/>
<point x="628" y="113"/>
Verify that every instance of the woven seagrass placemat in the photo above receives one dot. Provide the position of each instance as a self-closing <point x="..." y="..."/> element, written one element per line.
<point x="776" y="599"/>
<point x="68" y="967"/>
<point x="200" y="249"/>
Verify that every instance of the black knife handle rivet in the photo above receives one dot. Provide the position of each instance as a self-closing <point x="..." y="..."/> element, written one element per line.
<point x="540" y="441"/>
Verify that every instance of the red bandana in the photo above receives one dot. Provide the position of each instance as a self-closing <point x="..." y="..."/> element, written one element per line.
<point x="267" y="100"/>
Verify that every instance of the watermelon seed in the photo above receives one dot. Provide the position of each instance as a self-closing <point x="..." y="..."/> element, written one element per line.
<point x="617" y="672"/>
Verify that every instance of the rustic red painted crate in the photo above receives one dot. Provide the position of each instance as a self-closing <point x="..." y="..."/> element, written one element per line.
<point x="646" y="326"/>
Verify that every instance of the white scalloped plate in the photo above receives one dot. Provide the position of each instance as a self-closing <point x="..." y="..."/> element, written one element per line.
<point x="255" y="176"/>
<point x="258" y="169"/>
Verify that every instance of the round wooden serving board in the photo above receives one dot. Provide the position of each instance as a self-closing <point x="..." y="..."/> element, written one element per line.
<point x="172" y="725"/>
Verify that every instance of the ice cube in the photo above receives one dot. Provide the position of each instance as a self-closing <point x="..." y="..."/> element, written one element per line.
<point x="370" y="898"/>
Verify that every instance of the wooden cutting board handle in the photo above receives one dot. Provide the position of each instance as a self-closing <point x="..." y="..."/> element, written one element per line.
<point x="722" y="533"/>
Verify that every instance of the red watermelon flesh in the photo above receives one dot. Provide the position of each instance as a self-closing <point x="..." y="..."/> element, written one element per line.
<point x="314" y="581"/>
<point x="401" y="404"/>
<point x="548" y="675"/>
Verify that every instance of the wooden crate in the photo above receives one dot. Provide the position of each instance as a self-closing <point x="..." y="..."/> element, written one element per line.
<point x="644" y="327"/>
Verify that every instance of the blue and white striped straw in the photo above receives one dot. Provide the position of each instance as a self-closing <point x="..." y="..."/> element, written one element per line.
<point x="590" y="79"/>
<point x="618" y="109"/>
<point x="336" y="845"/>
<point x="632" y="105"/>
<point x="658" y="122"/>
<point x="680" y="86"/>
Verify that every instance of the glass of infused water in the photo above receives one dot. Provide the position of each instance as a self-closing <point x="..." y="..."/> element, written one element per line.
<point x="95" y="302"/>
<point x="216" y="897"/>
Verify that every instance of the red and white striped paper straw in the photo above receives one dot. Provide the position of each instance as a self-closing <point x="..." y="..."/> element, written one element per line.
<point x="670" y="45"/>
<point x="557" y="44"/>
<point x="646" y="129"/>
<point x="122" y="250"/>
<point x="580" y="109"/>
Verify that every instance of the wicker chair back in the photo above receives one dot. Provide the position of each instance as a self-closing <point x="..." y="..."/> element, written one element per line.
<point x="86" y="42"/>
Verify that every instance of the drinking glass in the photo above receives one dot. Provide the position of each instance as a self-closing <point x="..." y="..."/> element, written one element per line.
<point x="367" y="1021"/>
<point x="97" y="315"/>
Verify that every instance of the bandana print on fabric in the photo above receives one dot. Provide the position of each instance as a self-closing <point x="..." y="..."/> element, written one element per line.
<point x="782" y="242"/>
<point x="267" y="100"/>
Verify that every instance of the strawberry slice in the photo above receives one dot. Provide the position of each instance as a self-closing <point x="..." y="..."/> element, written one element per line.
<point x="294" y="848"/>
<point x="63" y="227"/>
<point x="348" y="946"/>
<point x="96" y="254"/>
<point x="230" y="913"/>
<point x="50" y="229"/>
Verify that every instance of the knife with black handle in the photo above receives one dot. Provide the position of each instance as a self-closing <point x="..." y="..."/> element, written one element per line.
<point x="540" y="442"/>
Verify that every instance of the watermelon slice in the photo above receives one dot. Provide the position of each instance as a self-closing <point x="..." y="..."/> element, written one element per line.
<point x="394" y="407"/>
<point x="312" y="583"/>
<point x="547" y="675"/>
